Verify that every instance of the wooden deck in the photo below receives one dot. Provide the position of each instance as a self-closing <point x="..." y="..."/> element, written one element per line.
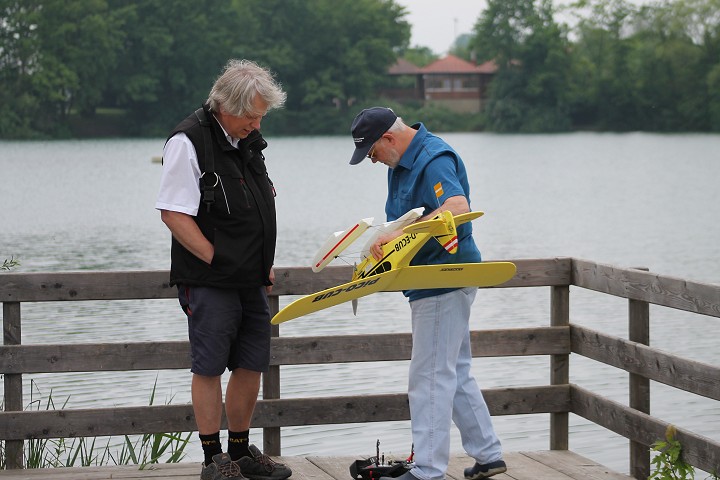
<point x="542" y="465"/>
<point x="558" y="399"/>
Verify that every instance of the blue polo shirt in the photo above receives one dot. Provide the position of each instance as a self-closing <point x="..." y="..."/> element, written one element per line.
<point x="430" y="165"/>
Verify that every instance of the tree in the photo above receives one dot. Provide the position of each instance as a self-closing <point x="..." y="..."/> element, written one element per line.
<point x="327" y="53"/>
<point x="666" y="64"/>
<point x="59" y="55"/>
<point x="419" y="56"/>
<point x="603" y="92"/>
<point x="171" y="53"/>
<point x="528" y="91"/>
<point x="19" y="57"/>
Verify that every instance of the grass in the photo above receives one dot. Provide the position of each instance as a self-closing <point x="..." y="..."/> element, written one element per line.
<point x="141" y="450"/>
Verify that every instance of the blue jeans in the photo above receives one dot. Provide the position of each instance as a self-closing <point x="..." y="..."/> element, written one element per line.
<point x="441" y="388"/>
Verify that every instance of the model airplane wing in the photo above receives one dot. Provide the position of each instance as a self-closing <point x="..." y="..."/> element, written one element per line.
<point x="453" y="275"/>
<point x="334" y="296"/>
<point x="392" y="271"/>
<point x="457" y="275"/>
<point x="337" y="242"/>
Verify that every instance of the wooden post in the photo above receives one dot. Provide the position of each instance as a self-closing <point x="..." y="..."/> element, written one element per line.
<point x="271" y="388"/>
<point x="559" y="366"/>
<point x="13" y="383"/>
<point x="639" y="331"/>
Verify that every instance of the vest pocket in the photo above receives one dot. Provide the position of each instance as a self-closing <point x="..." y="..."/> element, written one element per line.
<point x="223" y="261"/>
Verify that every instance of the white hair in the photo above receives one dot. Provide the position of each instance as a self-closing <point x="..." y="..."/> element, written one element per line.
<point x="397" y="125"/>
<point x="240" y="83"/>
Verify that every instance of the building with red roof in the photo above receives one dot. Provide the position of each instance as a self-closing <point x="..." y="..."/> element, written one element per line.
<point x="449" y="81"/>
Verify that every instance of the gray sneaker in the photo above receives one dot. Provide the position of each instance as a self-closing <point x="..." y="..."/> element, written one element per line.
<point x="221" y="468"/>
<point x="262" y="467"/>
<point x="478" y="472"/>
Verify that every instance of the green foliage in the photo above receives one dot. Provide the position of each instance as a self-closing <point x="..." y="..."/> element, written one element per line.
<point x="528" y="93"/>
<point x="9" y="264"/>
<point x="620" y="67"/>
<point x="150" y="448"/>
<point x="419" y="56"/>
<point x="157" y="60"/>
<point x="646" y="68"/>
<point x="82" y="452"/>
<point x="668" y="463"/>
<point x="326" y="52"/>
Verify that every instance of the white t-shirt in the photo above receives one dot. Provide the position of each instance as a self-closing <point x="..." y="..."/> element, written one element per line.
<point x="180" y="179"/>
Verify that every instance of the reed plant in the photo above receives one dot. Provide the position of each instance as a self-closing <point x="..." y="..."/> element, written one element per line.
<point x="140" y="450"/>
<point x="150" y="448"/>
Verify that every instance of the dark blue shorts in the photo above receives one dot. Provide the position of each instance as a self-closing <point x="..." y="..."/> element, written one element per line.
<point x="227" y="328"/>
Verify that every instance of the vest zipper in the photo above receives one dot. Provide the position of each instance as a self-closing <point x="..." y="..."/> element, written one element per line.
<point x="245" y="192"/>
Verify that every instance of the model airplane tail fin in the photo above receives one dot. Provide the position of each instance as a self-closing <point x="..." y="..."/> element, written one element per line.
<point x="443" y="228"/>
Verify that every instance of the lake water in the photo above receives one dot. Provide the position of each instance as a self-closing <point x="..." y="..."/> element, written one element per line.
<point x="633" y="200"/>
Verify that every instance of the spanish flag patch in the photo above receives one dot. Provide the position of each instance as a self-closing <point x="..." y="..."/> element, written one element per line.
<point x="438" y="190"/>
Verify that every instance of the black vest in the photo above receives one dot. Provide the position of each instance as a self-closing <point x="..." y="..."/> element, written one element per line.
<point x="240" y="218"/>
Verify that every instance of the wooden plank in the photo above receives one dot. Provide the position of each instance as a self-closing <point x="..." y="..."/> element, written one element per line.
<point x="123" y="285"/>
<point x="12" y="384"/>
<point x="304" y="469"/>
<point x="335" y="467"/>
<point x="272" y="440"/>
<point x="284" y="351"/>
<point x="540" y="272"/>
<point x="382" y="347"/>
<point x="61" y="286"/>
<point x="268" y="413"/>
<point x="689" y="375"/>
<point x="635" y="284"/>
<point x="160" y="471"/>
<point x="106" y="357"/>
<point x="302" y="280"/>
<point x="639" y="398"/>
<point x="530" y="273"/>
<point x="560" y="366"/>
<point x="699" y="451"/>
<point x="519" y="467"/>
<point x="575" y="466"/>
<point x="546" y="465"/>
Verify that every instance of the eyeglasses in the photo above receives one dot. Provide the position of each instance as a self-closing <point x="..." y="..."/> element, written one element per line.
<point x="371" y="153"/>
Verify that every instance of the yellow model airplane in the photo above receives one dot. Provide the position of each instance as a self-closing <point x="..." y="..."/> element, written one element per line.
<point x="393" y="271"/>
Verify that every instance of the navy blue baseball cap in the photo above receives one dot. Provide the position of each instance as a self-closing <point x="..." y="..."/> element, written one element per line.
<point x="367" y="128"/>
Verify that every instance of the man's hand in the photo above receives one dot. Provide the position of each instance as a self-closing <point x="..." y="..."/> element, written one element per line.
<point x="187" y="232"/>
<point x="456" y="205"/>
<point x="268" y="289"/>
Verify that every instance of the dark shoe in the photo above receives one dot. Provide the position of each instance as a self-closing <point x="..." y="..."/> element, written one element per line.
<point x="221" y="468"/>
<point x="478" y="471"/>
<point x="404" y="476"/>
<point x="262" y="467"/>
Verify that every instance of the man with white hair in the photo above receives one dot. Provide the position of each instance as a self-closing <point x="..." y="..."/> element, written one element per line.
<point x="217" y="199"/>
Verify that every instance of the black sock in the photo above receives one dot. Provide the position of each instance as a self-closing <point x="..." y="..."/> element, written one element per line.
<point x="211" y="446"/>
<point x="238" y="443"/>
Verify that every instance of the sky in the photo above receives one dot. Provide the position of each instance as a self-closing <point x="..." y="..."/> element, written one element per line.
<point x="436" y="23"/>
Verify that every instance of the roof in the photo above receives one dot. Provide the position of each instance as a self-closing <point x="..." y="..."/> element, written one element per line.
<point x="403" y="67"/>
<point x="453" y="64"/>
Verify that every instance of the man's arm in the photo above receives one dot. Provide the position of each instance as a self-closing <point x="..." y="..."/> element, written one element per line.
<point x="186" y="231"/>
<point x="455" y="205"/>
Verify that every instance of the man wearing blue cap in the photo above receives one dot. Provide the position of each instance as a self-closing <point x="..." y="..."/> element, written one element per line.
<point x="424" y="171"/>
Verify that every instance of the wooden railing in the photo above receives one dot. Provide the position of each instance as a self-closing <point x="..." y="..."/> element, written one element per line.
<point x="558" y="340"/>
